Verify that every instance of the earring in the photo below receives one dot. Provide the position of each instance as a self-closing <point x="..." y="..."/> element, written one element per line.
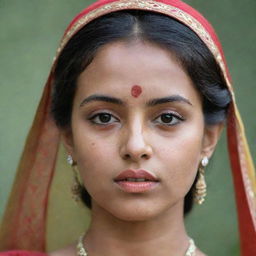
<point x="76" y="186"/>
<point x="200" y="188"/>
<point x="70" y="160"/>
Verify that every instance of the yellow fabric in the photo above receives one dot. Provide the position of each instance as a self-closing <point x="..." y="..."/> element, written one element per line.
<point x="251" y="168"/>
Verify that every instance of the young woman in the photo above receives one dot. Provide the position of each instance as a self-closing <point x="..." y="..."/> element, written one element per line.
<point x="139" y="93"/>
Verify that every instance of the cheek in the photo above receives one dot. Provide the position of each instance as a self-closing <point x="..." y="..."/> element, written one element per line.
<point x="93" y="157"/>
<point x="89" y="151"/>
<point x="185" y="143"/>
<point x="181" y="157"/>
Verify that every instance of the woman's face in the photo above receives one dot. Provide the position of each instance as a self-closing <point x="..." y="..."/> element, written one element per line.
<point x="138" y="130"/>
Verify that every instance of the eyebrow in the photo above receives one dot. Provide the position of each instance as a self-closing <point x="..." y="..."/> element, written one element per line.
<point x="104" y="98"/>
<point x="151" y="103"/>
<point x="173" y="98"/>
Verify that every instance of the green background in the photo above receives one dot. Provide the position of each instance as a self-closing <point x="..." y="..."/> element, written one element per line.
<point x="30" y="32"/>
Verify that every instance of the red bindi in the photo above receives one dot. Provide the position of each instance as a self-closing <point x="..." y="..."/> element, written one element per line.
<point x="136" y="91"/>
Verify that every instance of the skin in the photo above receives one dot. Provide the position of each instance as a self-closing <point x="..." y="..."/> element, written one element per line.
<point x="137" y="136"/>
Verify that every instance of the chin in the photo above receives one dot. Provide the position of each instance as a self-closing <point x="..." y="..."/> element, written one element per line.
<point x="137" y="210"/>
<point x="134" y="215"/>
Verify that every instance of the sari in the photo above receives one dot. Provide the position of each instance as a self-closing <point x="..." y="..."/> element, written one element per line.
<point x="24" y="224"/>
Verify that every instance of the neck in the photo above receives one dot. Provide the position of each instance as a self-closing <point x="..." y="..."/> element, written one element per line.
<point x="162" y="235"/>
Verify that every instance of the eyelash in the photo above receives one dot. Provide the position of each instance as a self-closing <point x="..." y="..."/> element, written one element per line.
<point x="175" y="115"/>
<point x="92" y="119"/>
<point x="171" y="115"/>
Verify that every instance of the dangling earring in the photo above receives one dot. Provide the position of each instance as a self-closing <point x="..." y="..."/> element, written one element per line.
<point x="76" y="186"/>
<point x="70" y="160"/>
<point x="200" y="188"/>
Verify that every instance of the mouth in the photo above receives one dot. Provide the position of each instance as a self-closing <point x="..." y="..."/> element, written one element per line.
<point x="136" y="181"/>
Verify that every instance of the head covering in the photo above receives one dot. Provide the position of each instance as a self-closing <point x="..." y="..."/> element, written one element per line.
<point x="24" y="226"/>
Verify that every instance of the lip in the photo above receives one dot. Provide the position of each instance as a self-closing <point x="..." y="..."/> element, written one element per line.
<point x="149" y="183"/>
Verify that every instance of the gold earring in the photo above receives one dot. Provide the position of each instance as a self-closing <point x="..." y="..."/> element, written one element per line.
<point x="76" y="186"/>
<point x="200" y="188"/>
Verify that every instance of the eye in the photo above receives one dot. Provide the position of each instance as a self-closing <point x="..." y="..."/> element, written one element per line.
<point x="169" y="119"/>
<point x="103" y="118"/>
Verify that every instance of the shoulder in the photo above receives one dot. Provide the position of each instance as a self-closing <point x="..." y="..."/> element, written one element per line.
<point x="22" y="253"/>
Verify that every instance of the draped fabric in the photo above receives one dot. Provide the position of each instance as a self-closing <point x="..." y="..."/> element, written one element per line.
<point x="24" y="223"/>
<point x="22" y="253"/>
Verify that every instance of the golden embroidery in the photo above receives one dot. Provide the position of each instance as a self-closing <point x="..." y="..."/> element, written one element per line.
<point x="250" y="194"/>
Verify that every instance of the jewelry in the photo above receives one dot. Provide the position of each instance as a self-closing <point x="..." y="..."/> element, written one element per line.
<point x="80" y="247"/>
<point x="81" y="251"/>
<point x="76" y="186"/>
<point x="70" y="160"/>
<point x="200" y="189"/>
<point x="205" y="161"/>
<point x="191" y="251"/>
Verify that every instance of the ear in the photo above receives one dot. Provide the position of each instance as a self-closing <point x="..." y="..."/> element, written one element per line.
<point x="67" y="139"/>
<point x="211" y="136"/>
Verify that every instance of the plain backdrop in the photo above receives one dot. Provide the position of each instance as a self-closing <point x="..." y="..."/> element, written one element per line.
<point x="30" y="32"/>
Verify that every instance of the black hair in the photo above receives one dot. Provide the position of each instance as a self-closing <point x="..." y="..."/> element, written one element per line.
<point x="194" y="56"/>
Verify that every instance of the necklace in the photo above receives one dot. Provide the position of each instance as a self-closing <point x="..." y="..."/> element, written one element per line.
<point x="81" y="251"/>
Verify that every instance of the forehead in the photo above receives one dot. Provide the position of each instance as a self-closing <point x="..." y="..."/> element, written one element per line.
<point x="138" y="56"/>
<point x="118" y="66"/>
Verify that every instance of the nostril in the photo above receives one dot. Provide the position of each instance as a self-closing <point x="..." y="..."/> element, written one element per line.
<point x="126" y="156"/>
<point x="144" y="156"/>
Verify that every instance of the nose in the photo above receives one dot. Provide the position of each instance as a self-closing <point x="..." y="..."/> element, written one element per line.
<point x="134" y="147"/>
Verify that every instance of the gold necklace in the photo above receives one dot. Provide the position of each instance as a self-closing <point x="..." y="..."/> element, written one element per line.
<point x="81" y="251"/>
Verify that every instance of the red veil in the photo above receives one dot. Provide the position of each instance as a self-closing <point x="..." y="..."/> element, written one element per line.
<point x="24" y="222"/>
